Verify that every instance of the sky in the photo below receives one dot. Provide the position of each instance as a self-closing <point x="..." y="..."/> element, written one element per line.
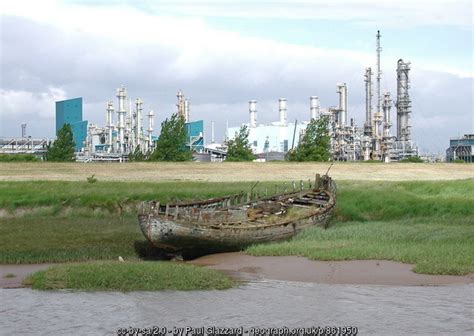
<point x="222" y="54"/>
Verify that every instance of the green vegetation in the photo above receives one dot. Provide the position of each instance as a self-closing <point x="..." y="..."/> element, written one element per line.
<point x="413" y="159"/>
<point x="62" y="150"/>
<point x="315" y="143"/>
<point x="171" y="145"/>
<point x="238" y="149"/>
<point x="79" y="236"/>
<point x="430" y="224"/>
<point x="18" y="158"/>
<point x="128" y="276"/>
<point x="137" y="155"/>
<point x="459" y="161"/>
<point x="9" y="276"/>
<point x="110" y="196"/>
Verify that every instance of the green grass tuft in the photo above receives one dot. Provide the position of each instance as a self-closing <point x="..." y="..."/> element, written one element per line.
<point x="128" y="276"/>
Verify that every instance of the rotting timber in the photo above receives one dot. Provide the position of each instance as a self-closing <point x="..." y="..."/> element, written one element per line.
<point x="233" y="222"/>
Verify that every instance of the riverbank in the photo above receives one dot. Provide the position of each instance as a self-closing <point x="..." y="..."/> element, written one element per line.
<point x="236" y="265"/>
<point x="300" y="269"/>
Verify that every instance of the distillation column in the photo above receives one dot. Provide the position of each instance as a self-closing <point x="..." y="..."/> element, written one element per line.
<point x="387" y="104"/>
<point x="314" y="107"/>
<point x="403" y="101"/>
<point x="138" y="126"/>
<point x="368" y="102"/>
<point x="150" y="116"/>
<point x="186" y="110"/>
<point x="342" y="90"/>
<point x="379" y="74"/>
<point x="180" y="105"/>
<point x="282" y="109"/>
<point x="110" y="126"/>
<point x="121" y="95"/>
<point x="253" y="113"/>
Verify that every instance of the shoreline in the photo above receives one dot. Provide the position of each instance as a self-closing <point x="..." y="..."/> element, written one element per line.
<point x="243" y="267"/>
<point x="300" y="269"/>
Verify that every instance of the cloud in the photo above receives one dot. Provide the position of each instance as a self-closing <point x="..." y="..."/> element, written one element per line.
<point x="53" y="51"/>
<point x="405" y="13"/>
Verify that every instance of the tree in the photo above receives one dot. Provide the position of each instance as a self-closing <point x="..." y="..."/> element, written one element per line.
<point x="62" y="150"/>
<point x="413" y="159"/>
<point x="171" y="145"/>
<point x="315" y="144"/>
<point x="238" y="149"/>
<point x="137" y="155"/>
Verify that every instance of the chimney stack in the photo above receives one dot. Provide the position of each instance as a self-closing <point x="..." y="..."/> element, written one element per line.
<point x="282" y="111"/>
<point x="253" y="113"/>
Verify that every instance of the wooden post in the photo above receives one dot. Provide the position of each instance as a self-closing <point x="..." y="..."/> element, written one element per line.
<point x="301" y="184"/>
<point x="317" y="181"/>
<point x="167" y="210"/>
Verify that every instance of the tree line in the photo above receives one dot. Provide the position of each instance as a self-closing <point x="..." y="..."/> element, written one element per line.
<point x="171" y="144"/>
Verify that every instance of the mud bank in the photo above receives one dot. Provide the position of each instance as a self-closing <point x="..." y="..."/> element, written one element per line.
<point x="12" y="276"/>
<point x="363" y="272"/>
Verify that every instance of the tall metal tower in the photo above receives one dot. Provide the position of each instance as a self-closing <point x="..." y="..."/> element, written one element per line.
<point x="122" y="96"/>
<point x="368" y="102"/>
<point x="23" y="131"/>
<point x="379" y="73"/>
<point x="403" y="101"/>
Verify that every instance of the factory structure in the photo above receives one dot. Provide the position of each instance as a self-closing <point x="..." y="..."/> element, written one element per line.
<point x="127" y="129"/>
<point x="461" y="148"/>
<point x="349" y="142"/>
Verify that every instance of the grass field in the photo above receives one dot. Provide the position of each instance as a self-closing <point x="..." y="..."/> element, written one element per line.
<point x="128" y="276"/>
<point x="430" y="224"/>
<point x="230" y="171"/>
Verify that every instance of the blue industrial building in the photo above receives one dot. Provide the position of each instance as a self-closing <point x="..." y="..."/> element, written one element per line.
<point x="70" y="112"/>
<point x="195" y="135"/>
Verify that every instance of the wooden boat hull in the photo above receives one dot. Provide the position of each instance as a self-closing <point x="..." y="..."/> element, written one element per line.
<point x="230" y="228"/>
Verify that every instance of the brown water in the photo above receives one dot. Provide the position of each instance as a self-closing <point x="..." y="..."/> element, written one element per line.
<point x="377" y="310"/>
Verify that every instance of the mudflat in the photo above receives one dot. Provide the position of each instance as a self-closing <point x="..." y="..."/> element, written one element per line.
<point x="358" y="272"/>
<point x="12" y="276"/>
<point x="230" y="171"/>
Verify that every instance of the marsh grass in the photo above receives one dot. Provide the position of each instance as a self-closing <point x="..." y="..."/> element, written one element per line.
<point x="128" y="276"/>
<point x="110" y="195"/>
<point x="32" y="239"/>
<point x="430" y="224"/>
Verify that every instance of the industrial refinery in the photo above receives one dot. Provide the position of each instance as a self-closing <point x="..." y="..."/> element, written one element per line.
<point x="349" y="142"/>
<point x="129" y="126"/>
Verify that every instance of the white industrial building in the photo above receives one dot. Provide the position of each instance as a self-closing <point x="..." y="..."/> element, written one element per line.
<point x="279" y="136"/>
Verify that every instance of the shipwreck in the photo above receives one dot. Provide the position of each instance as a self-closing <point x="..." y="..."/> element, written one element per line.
<point x="233" y="222"/>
